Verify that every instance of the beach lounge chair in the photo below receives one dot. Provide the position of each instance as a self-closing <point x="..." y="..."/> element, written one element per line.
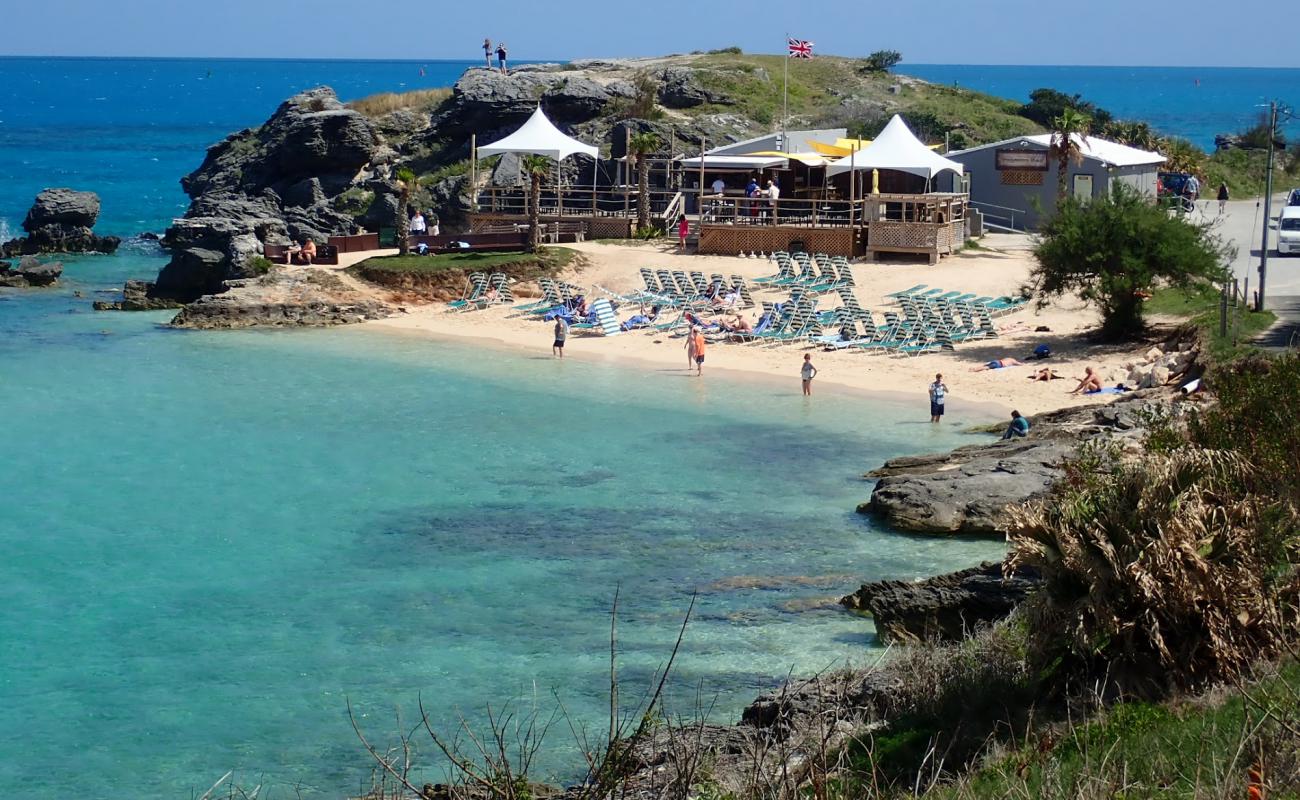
<point x="606" y="323"/>
<point x="905" y="292"/>
<point x="478" y="284"/>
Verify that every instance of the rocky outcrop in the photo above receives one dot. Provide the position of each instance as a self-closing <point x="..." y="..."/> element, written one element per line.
<point x="284" y="297"/>
<point x="62" y="221"/>
<point x="680" y="87"/>
<point x="968" y="490"/>
<point x="945" y="607"/>
<point x="136" y="296"/>
<point x="267" y="185"/>
<point x="29" y="272"/>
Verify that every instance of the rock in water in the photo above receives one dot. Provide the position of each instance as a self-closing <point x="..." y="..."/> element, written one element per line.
<point x="945" y="607"/>
<point x="61" y="221"/>
<point x="136" y="296"/>
<point x="30" y="272"/>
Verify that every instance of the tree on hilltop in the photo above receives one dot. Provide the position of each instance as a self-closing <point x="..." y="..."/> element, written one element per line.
<point x="1113" y="250"/>
<point x="882" y="61"/>
<point x="405" y="187"/>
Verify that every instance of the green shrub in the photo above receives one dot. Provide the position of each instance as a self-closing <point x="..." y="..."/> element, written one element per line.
<point x="727" y="51"/>
<point x="1113" y="250"/>
<point x="259" y="265"/>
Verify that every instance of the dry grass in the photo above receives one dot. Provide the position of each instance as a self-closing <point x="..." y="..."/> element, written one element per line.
<point x="377" y="105"/>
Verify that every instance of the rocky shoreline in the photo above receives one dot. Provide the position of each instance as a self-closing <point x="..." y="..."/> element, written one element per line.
<point x="283" y="297"/>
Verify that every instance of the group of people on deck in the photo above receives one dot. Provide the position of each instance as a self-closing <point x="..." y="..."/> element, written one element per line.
<point x="762" y="198"/>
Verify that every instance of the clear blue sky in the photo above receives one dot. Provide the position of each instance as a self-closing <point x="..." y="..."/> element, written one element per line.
<point x="1119" y="32"/>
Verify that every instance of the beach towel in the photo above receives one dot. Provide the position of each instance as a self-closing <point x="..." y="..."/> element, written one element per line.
<point x="1109" y="390"/>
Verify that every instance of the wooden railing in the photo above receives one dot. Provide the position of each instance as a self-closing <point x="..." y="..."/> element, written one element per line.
<point x="576" y="201"/>
<point x="795" y="212"/>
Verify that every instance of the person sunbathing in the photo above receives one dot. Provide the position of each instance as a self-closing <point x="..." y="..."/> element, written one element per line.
<point x="727" y="300"/>
<point x="1089" y="383"/>
<point x="641" y="320"/>
<point x="998" y="364"/>
<point x="1045" y="374"/>
<point x="305" y="254"/>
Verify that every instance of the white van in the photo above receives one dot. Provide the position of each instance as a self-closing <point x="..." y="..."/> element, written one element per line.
<point x="1288" y="231"/>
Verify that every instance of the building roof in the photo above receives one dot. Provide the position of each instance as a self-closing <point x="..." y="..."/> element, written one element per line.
<point x="712" y="161"/>
<point x="1112" y="154"/>
<point x="540" y="136"/>
<point x="797" y="142"/>
<point x="896" y="148"/>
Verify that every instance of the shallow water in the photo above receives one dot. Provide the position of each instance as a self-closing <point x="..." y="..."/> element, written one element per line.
<point x="212" y="539"/>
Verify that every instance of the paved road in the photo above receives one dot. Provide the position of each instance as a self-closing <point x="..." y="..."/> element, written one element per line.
<point x="1241" y="226"/>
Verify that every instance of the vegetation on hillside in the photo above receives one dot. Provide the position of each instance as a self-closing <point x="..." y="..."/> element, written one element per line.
<point x="418" y="100"/>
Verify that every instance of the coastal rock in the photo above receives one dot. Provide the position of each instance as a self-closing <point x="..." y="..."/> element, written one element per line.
<point x="487" y="102"/>
<point x="136" y="296"/>
<point x="945" y="607"/>
<point x="283" y="297"/>
<point x="680" y="87"/>
<point x="61" y="221"/>
<point x="29" y="272"/>
<point x="968" y="490"/>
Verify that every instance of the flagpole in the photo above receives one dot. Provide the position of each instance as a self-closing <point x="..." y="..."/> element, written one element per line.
<point x="785" y="94"/>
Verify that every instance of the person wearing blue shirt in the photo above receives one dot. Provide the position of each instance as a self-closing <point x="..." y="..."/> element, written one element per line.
<point x="1019" y="426"/>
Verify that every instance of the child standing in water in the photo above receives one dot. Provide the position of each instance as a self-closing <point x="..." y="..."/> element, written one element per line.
<point x="808" y="372"/>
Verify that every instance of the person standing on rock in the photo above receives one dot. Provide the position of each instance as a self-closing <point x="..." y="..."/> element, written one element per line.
<point x="501" y="58"/>
<point x="938" y="391"/>
<point x="487" y="52"/>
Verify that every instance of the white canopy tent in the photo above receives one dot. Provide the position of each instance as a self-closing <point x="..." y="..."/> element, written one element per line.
<point x="539" y="136"/>
<point x="896" y="148"/>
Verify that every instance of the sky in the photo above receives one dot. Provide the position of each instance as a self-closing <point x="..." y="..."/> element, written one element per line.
<point x="1103" y="32"/>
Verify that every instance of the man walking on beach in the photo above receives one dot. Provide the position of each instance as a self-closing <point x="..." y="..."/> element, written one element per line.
<point x="938" y="390"/>
<point x="695" y="350"/>
<point x="807" y="372"/>
<point x="561" y="333"/>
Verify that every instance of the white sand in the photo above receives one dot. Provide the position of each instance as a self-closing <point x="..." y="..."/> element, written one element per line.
<point x="996" y="271"/>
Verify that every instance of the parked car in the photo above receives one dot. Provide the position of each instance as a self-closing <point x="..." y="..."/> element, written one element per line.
<point x="1288" y="228"/>
<point x="1293" y="199"/>
<point x="1171" y="190"/>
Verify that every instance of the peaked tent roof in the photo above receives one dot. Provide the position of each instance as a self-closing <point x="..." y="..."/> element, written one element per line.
<point x="896" y="148"/>
<point x="539" y="136"/>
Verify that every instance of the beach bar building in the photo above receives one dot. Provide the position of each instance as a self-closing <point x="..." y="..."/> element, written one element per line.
<point x="1013" y="183"/>
<point x="877" y="200"/>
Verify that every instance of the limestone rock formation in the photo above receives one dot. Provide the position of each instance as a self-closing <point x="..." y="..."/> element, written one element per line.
<point x="62" y="221"/>
<point x="968" y="490"/>
<point x="29" y="272"/>
<point x="136" y="296"/>
<point x="283" y="297"/>
<point x="945" y="607"/>
<point x="267" y="185"/>
<point x="680" y="87"/>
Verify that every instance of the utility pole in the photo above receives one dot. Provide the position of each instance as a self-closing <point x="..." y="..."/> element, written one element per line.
<point x="1268" y="203"/>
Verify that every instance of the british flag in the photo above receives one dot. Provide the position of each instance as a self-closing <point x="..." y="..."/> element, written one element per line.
<point x="800" y="48"/>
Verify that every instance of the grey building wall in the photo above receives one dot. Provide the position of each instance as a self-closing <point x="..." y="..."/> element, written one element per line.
<point x="1035" y="202"/>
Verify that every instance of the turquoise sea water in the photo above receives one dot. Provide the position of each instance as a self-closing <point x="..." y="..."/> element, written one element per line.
<point x="209" y="540"/>
<point x="212" y="539"/>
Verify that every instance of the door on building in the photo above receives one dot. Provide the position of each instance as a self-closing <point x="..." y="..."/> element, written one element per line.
<point x="1083" y="188"/>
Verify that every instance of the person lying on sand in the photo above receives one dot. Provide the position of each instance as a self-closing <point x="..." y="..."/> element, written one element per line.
<point x="998" y="364"/>
<point x="1089" y="383"/>
<point x="1045" y="374"/>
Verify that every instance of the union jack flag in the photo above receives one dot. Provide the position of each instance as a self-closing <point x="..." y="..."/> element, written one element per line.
<point x="800" y="48"/>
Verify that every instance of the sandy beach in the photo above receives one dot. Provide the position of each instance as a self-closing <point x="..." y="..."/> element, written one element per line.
<point x="999" y="268"/>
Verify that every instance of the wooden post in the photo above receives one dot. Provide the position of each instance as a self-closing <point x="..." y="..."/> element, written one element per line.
<point x="627" y="168"/>
<point x="699" y="203"/>
<point x="559" y="189"/>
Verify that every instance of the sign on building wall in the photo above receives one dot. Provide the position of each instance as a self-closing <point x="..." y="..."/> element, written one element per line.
<point x="1022" y="160"/>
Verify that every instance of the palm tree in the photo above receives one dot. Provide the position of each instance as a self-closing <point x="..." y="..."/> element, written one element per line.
<point x="405" y="186"/>
<point x="640" y="146"/>
<point x="535" y="167"/>
<point x="1064" y="148"/>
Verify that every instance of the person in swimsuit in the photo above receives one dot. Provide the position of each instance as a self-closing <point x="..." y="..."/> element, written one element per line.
<point x="487" y="52"/>
<point x="561" y="333"/>
<point x="998" y="364"/>
<point x="695" y="349"/>
<point x="1089" y="383"/>
<point x="807" y="372"/>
